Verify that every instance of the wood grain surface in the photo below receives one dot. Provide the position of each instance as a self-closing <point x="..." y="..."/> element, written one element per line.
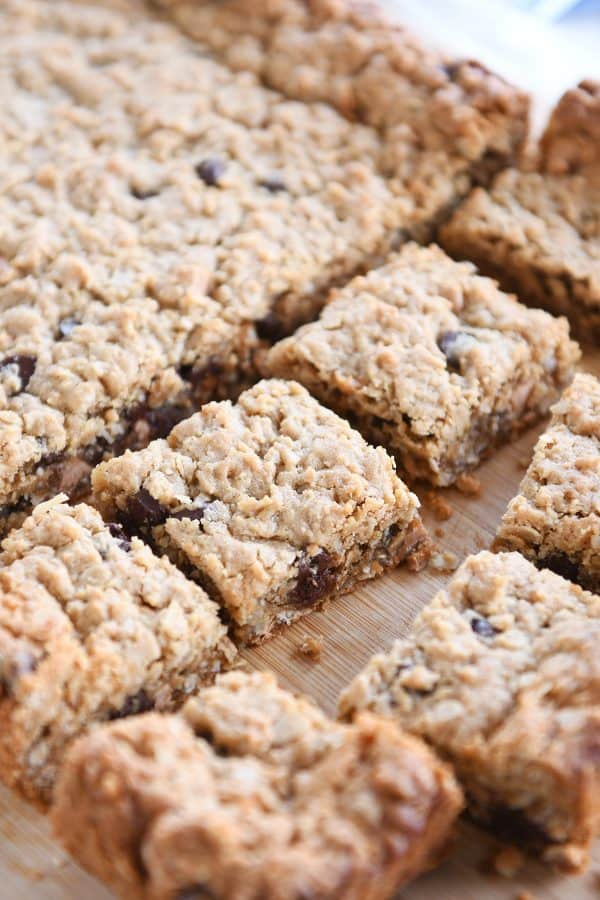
<point x="32" y="866"/>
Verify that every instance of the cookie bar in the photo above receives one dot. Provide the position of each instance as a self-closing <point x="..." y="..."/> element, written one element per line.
<point x="252" y="793"/>
<point x="539" y="235"/>
<point x="350" y="55"/>
<point x="571" y="140"/>
<point x="539" y="232"/>
<point x="500" y="674"/>
<point x="274" y="504"/>
<point x="555" y="518"/>
<point x="92" y="627"/>
<point x="431" y="360"/>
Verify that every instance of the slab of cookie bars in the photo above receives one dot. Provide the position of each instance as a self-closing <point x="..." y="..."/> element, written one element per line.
<point x="93" y="626"/>
<point x="431" y="360"/>
<point x="555" y="518"/>
<point x="253" y="793"/>
<point x="539" y="232"/>
<point x="188" y="154"/>
<point x="351" y="55"/>
<point x="500" y="674"/>
<point x="274" y="503"/>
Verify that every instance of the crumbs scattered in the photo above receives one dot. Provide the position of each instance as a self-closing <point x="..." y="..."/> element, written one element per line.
<point x="312" y="646"/>
<point x="469" y="485"/>
<point x="439" y="532"/>
<point x="444" y="562"/>
<point x="439" y="506"/>
<point x="507" y="862"/>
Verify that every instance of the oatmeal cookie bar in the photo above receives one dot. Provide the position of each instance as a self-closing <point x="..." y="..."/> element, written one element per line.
<point x="431" y="360"/>
<point x="555" y="518"/>
<point x="539" y="232"/>
<point x="273" y="503"/>
<point x="501" y="675"/>
<point x="252" y="793"/>
<point x="571" y="140"/>
<point x="92" y="627"/>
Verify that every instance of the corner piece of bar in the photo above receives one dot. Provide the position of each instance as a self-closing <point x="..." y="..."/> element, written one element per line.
<point x="274" y="503"/>
<point x="253" y="792"/>
<point x="431" y="360"/>
<point x="92" y="627"/>
<point x="501" y="676"/>
<point x="538" y="232"/>
<point x="555" y="518"/>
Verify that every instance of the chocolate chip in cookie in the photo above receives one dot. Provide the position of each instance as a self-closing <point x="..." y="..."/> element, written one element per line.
<point x="25" y="366"/>
<point x="316" y="577"/>
<point x="211" y="170"/>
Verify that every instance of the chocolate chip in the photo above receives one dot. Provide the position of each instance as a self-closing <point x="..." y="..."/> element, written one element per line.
<point x="118" y="532"/>
<point x="388" y="535"/>
<point x="198" y="377"/>
<point x="514" y="827"/>
<point x="66" y="327"/>
<point x="141" y="194"/>
<point x="273" y="183"/>
<point x="210" y="170"/>
<point x="270" y="328"/>
<point x="449" y="342"/>
<point x="143" y="511"/>
<point x="560" y="564"/>
<point x="159" y="419"/>
<point x="316" y="577"/>
<point x="196" y="892"/>
<point x="21" y="663"/>
<point x="482" y="627"/>
<point x="194" y="513"/>
<point x="452" y="69"/>
<point x="25" y="367"/>
<point x="133" y="706"/>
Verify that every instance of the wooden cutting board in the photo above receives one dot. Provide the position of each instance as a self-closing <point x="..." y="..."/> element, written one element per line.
<point x="32" y="867"/>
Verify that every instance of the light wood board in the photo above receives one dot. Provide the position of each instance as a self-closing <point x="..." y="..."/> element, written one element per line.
<point x="32" y="867"/>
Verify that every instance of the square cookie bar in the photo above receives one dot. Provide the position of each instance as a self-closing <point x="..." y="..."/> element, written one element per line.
<point x="555" y="518"/>
<point x="501" y="675"/>
<point x="82" y="377"/>
<point x="539" y="232"/>
<point x="92" y="627"/>
<point x="251" y="793"/>
<point x="273" y="503"/>
<point x="431" y="360"/>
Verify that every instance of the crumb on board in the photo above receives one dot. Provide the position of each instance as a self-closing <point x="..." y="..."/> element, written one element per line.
<point x="523" y="461"/>
<point x="439" y="532"/>
<point x="312" y="646"/>
<point x="439" y="506"/>
<point x="443" y="561"/>
<point x="469" y="485"/>
<point x="507" y="861"/>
